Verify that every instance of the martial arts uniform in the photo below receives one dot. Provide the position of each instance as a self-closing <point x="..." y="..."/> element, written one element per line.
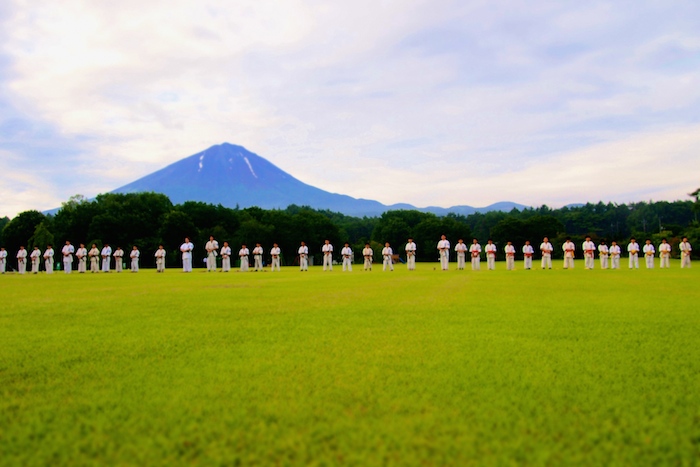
<point x="475" y="251"/>
<point x="491" y="256"/>
<point x="327" y="250"/>
<point x="225" y="258"/>
<point x="665" y="255"/>
<point x="615" y="252"/>
<point x="510" y="257"/>
<point x="106" y="258"/>
<point x="118" y="259"/>
<point x="82" y="254"/>
<point x="443" y="247"/>
<point x="303" y="252"/>
<point x="35" y="258"/>
<point x="368" y="255"/>
<point x="211" y="247"/>
<point x="568" y="248"/>
<point x="186" y="249"/>
<point x="243" y="256"/>
<point x="275" y="253"/>
<point x="387" y="252"/>
<point x="3" y="261"/>
<point x="134" y="255"/>
<point x="546" y="249"/>
<point x="67" y="252"/>
<point x="633" y="250"/>
<point x="649" y="252"/>
<point x="685" y="254"/>
<point x="588" y="254"/>
<point x="48" y="260"/>
<point x="160" y="259"/>
<point x="411" y="256"/>
<point x="94" y="260"/>
<point x="461" y="250"/>
<point x="22" y="261"/>
<point x="528" y="252"/>
<point x="603" y="255"/>
<point x="257" y="258"/>
<point x="346" y="253"/>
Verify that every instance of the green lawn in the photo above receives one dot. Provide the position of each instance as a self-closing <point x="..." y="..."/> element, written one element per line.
<point x="426" y="368"/>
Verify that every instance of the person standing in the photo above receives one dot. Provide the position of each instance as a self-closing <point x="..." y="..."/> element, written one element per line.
<point x="106" y="257"/>
<point x="411" y="255"/>
<point x="685" y="252"/>
<point x="461" y="250"/>
<point x="22" y="260"/>
<point x="212" y="246"/>
<point x="346" y="253"/>
<point x="160" y="258"/>
<point x="665" y="254"/>
<point x="48" y="259"/>
<point x="588" y="253"/>
<point x="275" y="253"/>
<point x="225" y="257"/>
<point x="327" y="251"/>
<point x="257" y="258"/>
<point x="118" y="259"/>
<point x="649" y="253"/>
<point x="569" y="249"/>
<point x="387" y="254"/>
<point x="82" y="254"/>
<point x="94" y="255"/>
<point x="510" y="256"/>
<point x="546" y="249"/>
<point x="491" y="255"/>
<point x="186" y="249"/>
<point x="528" y="253"/>
<point x="35" y="258"/>
<point x="3" y="260"/>
<point x="134" y="255"/>
<point x="303" y="252"/>
<point x="443" y="247"/>
<point x="243" y="256"/>
<point x="633" y="250"/>
<point x="475" y="251"/>
<point x="615" y="253"/>
<point x="67" y="252"/>
<point x="368" y="255"/>
<point x="603" y="252"/>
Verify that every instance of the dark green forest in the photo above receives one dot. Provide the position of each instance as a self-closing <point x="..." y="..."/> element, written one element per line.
<point x="150" y="219"/>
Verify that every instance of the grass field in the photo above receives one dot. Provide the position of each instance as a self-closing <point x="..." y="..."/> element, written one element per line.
<point x="426" y="368"/>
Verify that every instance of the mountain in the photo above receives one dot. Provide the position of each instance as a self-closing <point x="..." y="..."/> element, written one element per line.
<point x="232" y="176"/>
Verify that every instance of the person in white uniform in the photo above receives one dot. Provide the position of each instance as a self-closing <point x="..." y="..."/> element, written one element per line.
<point x="257" y="258"/>
<point x="48" y="259"/>
<point x="665" y="254"/>
<point x="387" y="254"/>
<point x="569" y="250"/>
<point x="327" y="251"/>
<point x="588" y="253"/>
<point x="118" y="259"/>
<point x="186" y="250"/>
<point x="603" y="252"/>
<point x="686" y="249"/>
<point x="67" y="252"/>
<point x="106" y="254"/>
<point x="160" y="258"/>
<point x="303" y="252"/>
<point x="491" y="255"/>
<point x="82" y="254"/>
<point x="475" y="253"/>
<point x="461" y="250"/>
<point x="225" y="257"/>
<point x="443" y="247"/>
<point x="615" y="253"/>
<point x="35" y="259"/>
<point x="368" y="255"/>
<point x="212" y="247"/>
<point x="3" y="260"/>
<point x="649" y="253"/>
<point x="346" y="253"/>
<point x="243" y="256"/>
<point x="411" y="255"/>
<point x="510" y="256"/>
<point x="275" y="253"/>
<point x="528" y="253"/>
<point x="22" y="260"/>
<point x="633" y="250"/>
<point x="134" y="255"/>
<point x="546" y="249"/>
<point x="94" y="255"/>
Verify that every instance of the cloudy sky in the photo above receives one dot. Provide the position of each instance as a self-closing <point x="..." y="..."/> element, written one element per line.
<point x="427" y="102"/>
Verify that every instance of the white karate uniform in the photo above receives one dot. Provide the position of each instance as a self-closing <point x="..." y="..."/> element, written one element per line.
<point x="388" y="260"/>
<point x="649" y="252"/>
<point x="225" y="258"/>
<point x="3" y="261"/>
<point x="211" y="247"/>
<point x="303" y="252"/>
<point x="603" y="255"/>
<point x="461" y="250"/>
<point x="118" y="259"/>
<point x="475" y="253"/>
<point x="443" y="247"/>
<point x="568" y="248"/>
<point x="94" y="260"/>
<point x="685" y="254"/>
<point x="528" y="253"/>
<point x="633" y="250"/>
<point x="22" y="261"/>
<point x="368" y="255"/>
<point x="134" y="255"/>
<point x="411" y="256"/>
<point x="243" y="255"/>
<point x="275" y="253"/>
<point x="346" y="252"/>
<point x="615" y="252"/>
<point x="160" y="259"/>
<point x="106" y="258"/>
<point x="48" y="260"/>
<point x="588" y="254"/>
<point x="510" y="257"/>
<point x="35" y="258"/>
<point x="186" y="249"/>
<point x="327" y="257"/>
<point x="491" y="256"/>
<point x="546" y="249"/>
<point x="665" y="255"/>
<point x="257" y="259"/>
<point x="67" y="252"/>
<point x="82" y="254"/>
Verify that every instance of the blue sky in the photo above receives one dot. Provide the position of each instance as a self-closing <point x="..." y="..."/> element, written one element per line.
<point x="425" y="102"/>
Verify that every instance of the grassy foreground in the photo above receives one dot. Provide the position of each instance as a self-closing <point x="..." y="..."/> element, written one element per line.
<point x="426" y="368"/>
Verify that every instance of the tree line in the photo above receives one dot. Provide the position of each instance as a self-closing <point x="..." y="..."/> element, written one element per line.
<point x="150" y="219"/>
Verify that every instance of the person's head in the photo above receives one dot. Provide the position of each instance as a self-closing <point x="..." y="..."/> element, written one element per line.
<point x="546" y="239"/>
<point x="243" y="246"/>
<point x="490" y="242"/>
<point x="347" y="244"/>
<point x="685" y="239"/>
<point x="568" y="239"/>
<point x="21" y="247"/>
<point x="82" y="245"/>
<point x="257" y="244"/>
<point x="647" y="241"/>
<point x="632" y="240"/>
<point x="160" y="247"/>
<point x="2" y="248"/>
<point x="133" y="248"/>
<point x="613" y="243"/>
<point x="410" y="240"/>
<point x="510" y="243"/>
<point x="211" y="237"/>
<point x="67" y="242"/>
<point x="94" y="245"/>
<point x="386" y="244"/>
<point x="443" y="237"/>
<point x="303" y="244"/>
<point x="49" y="246"/>
<point x="663" y="240"/>
<point x="36" y="247"/>
<point x="475" y="241"/>
<point x="460" y="241"/>
<point x="366" y="245"/>
<point x="527" y="242"/>
<point x="327" y="242"/>
<point x="225" y="243"/>
<point x="602" y="242"/>
<point x="187" y="239"/>
<point x="274" y="245"/>
<point x="588" y="238"/>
